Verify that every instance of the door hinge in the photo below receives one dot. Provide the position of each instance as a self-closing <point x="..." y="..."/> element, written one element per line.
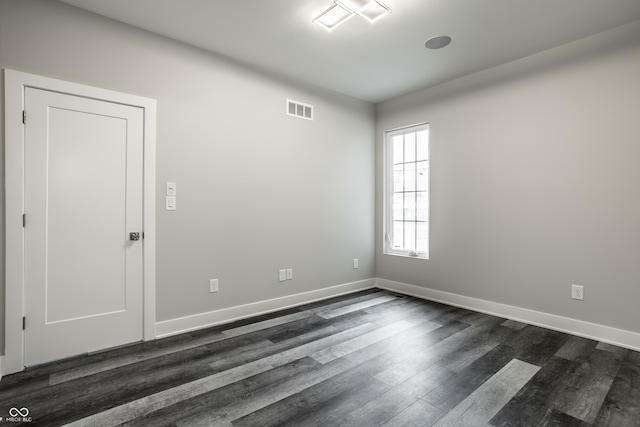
<point x="24" y="116"/>
<point x="24" y="220"/>
<point x="24" y="322"/>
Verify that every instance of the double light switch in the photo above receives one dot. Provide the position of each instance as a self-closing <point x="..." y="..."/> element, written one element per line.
<point x="170" y="200"/>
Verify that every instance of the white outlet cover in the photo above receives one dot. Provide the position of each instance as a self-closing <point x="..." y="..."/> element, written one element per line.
<point x="213" y="285"/>
<point x="577" y="292"/>
<point x="282" y="275"/>
<point x="289" y="273"/>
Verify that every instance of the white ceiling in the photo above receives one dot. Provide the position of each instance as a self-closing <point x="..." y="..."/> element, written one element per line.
<point x="377" y="61"/>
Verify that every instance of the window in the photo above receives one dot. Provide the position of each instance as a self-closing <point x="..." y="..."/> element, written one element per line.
<point x="407" y="192"/>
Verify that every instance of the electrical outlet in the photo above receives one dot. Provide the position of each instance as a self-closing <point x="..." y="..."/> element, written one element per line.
<point x="355" y="263"/>
<point x="289" y="273"/>
<point x="577" y="292"/>
<point x="213" y="285"/>
<point x="282" y="275"/>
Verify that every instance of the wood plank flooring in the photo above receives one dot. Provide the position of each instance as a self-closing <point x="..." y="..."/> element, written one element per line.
<point x="373" y="358"/>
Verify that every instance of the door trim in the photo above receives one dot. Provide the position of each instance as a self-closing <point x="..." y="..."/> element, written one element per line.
<point x="15" y="83"/>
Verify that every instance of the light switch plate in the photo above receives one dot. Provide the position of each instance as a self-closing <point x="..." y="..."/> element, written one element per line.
<point x="170" y="203"/>
<point x="172" y="189"/>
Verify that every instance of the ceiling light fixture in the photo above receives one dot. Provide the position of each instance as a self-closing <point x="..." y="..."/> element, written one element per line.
<point x="343" y="10"/>
<point x="334" y="16"/>
<point x="371" y="10"/>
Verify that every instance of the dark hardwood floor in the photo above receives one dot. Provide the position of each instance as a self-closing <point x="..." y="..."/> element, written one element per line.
<point x="372" y="358"/>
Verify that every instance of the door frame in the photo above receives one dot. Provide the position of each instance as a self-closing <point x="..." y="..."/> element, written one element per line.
<point x="15" y="83"/>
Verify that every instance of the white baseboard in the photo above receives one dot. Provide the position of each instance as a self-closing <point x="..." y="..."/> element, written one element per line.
<point x="226" y="315"/>
<point x="580" y="328"/>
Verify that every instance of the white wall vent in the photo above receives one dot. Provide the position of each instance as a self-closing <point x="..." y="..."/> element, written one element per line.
<point x="299" y="109"/>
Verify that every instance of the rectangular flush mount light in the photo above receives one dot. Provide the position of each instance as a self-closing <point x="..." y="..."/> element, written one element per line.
<point x="370" y="10"/>
<point x="334" y="16"/>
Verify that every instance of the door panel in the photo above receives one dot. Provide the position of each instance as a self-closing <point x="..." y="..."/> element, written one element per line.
<point x="73" y="180"/>
<point x="83" y="195"/>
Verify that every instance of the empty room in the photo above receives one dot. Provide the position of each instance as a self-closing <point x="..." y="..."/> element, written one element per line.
<point x="320" y="213"/>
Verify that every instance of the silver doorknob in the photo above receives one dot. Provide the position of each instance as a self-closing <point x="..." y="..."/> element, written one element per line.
<point x="134" y="235"/>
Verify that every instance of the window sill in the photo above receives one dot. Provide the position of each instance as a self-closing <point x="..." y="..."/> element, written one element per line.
<point x="421" y="256"/>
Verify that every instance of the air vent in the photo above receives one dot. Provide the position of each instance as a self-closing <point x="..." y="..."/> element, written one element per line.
<point x="299" y="109"/>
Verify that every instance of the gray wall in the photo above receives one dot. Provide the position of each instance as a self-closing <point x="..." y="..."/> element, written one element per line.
<point x="535" y="181"/>
<point x="257" y="190"/>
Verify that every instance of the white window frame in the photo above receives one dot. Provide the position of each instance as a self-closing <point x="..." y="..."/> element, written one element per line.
<point x="388" y="175"/>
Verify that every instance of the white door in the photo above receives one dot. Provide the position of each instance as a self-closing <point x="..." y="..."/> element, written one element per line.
<point x="83" y="198"/>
